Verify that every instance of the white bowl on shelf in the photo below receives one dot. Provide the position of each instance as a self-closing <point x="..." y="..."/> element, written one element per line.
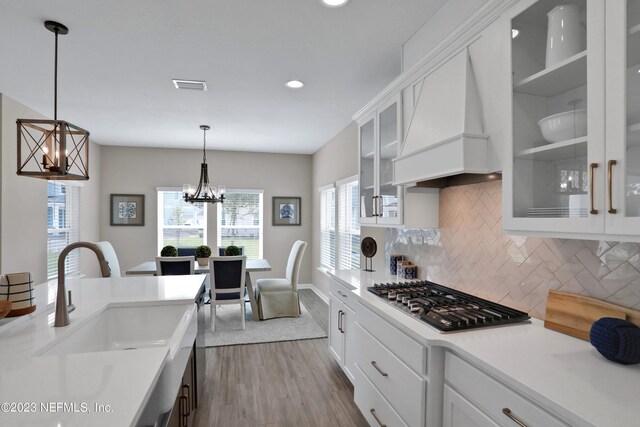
<point x="564" y="126"/>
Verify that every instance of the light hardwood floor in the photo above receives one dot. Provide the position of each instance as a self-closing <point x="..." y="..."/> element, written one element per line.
<point x="292" y="383"/>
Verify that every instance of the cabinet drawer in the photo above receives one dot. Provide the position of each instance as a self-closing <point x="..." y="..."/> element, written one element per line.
<point x="372" y="404"/>
<point x="341" y="293"/>
<point x="492" y="397"/>
<point x="404" y="389"/>
<point x="405" y="348"/>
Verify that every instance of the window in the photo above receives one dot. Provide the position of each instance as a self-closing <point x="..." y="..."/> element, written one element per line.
<point x="63" y="226"/>
<point x="180" y="224"/>
<point x="328" y="226"/>
<point x="348" y="224"/>
<point x="240" y="221"/>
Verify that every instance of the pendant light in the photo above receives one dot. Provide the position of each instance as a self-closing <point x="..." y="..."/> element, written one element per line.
<point x="53" y="149"/>
<point x="205" y="192"/>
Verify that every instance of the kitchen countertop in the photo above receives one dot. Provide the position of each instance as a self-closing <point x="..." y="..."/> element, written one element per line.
<point x="64" y="390"/>
<point x="564" y="374"/>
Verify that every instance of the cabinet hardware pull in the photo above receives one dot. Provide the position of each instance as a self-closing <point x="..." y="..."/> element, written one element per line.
<point x="375" y="365"/>
<point x="513" y="418"/>
<point x="592" y="168"/>
<point x="610" y="165"/>
<point x="188" y="395"/>
<point x="340" y="321"/>
<point x="182" y="409"/>
<point x="341" y="294"/>
<point x="373" y="412"/>
<point x="374" y="203"/>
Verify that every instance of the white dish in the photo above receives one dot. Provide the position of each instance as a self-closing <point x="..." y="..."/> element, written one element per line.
<point x="564" y="126"/>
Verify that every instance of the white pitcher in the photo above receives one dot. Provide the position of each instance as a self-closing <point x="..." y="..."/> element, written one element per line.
<point x="565" y="36"/>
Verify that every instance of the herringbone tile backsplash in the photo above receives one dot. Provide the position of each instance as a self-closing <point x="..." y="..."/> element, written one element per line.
<point x="470" y="252"/>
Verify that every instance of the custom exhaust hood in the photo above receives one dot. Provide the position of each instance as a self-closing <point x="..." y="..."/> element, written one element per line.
<point x="446" y="143"/>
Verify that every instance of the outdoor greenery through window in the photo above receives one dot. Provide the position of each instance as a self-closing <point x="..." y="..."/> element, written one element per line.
<point x="180" y="224"/>
<point x="63" y="226"/>
<point x="240" y="221"/>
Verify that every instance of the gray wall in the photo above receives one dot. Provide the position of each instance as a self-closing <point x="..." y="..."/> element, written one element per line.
<point x="141" y="170"/>
<point x="23" y="204"/>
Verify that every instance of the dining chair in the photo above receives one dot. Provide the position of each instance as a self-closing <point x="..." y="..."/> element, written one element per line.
<point x="227" y="276"/>
<point x="279" y="297"/>
<point x="174" y="265"/>
<point x="187" y="252"/>
<point x="111" y="257"/>
<point x="221" y="250"/>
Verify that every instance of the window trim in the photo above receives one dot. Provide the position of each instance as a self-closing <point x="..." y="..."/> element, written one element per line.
<point x="160" y="214"/>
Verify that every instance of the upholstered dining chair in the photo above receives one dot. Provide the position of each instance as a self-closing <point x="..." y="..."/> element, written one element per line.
<point x="174" y="265"/>
<point x="111" y="257"/>
<point x="279" y="297"/>
<point x="186" y="252"/>
<point x="227" y="276"/>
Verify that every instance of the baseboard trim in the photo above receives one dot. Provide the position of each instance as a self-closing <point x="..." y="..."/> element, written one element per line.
<point x="322" y="296"/>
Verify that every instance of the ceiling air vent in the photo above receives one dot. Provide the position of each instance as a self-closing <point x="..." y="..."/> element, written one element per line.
<point x="190" y="84"/>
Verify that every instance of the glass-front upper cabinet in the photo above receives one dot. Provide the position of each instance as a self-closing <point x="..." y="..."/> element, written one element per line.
<point x="554" y="170"/>
<point x="380" y="135"/>
<point x="623" y="117"/>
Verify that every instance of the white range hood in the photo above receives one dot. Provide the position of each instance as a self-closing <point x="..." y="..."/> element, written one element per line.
<point x="446" y="132"/>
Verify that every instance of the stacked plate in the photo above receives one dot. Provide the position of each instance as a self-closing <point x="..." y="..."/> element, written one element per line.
<point x="557" y="212"/>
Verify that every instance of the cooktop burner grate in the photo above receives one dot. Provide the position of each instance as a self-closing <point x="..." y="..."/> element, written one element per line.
<point x="444" y="308"/>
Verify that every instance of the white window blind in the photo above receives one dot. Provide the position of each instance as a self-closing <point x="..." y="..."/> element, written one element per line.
<point x="63" y="226"/>
<point x="328" y="227"/>
<point x="180" y="224"/>
<point x="348" y="225"/>
<point x="240" y="221"/>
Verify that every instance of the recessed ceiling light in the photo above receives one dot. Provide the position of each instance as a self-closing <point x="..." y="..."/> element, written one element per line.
<point x="294" y="84"/>
<point x="333" y="3"/>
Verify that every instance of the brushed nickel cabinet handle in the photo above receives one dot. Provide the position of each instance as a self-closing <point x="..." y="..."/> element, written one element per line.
<point x="592" y="168"/>
<point x="184" y="401"/>
<point x="375" y="205"/>
<point x="513" y="418"/>
<point x="373" y="412"/>
<point x="341" y="294"/>
<point x="375" y="365"/>
<point x="610" y="165"/>
<point x="342" y="321"/>
<point x="188" y="396"/>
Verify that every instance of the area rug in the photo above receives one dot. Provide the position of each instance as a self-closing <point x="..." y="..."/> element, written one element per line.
<point x="228" y="328"/>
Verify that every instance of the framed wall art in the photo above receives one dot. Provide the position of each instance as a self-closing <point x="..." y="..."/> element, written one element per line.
<point x="286" y="210"/>
<point x="127" y="209"/>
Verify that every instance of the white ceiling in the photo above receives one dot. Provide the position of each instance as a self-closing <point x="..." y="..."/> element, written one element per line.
<point x="117" y="62"/>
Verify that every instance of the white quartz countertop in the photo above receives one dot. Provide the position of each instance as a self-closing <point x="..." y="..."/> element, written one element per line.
<point x="564" y="374"/>
<point x="89" y="389"/>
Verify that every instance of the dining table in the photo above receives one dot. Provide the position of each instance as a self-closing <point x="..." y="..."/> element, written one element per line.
<point x="252" y="265"/>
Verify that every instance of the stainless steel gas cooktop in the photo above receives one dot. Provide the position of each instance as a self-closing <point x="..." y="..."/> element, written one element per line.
<point x="444" y="308"/>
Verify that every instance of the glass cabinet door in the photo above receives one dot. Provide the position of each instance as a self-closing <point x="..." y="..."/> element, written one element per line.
<point x="557" y="96"/>
<point x="367" y="171"/>
<point x="389" y="131"/>
<point x="623" y="117"/>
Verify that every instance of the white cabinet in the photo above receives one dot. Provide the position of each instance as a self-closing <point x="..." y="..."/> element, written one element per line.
<point x="380" y="135"/>
<point x="341" y="326"/>
<point x="470" y="393"/>
<point x="581" y="177"/>
<point x="459" y="412"/>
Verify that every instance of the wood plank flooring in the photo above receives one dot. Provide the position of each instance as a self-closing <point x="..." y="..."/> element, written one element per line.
<point x="282" y="384"/>
<point x="316" y="307"/>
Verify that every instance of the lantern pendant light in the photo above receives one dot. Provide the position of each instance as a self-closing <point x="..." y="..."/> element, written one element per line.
<point x="53" y="149"/>
<point x="205" y="192"/>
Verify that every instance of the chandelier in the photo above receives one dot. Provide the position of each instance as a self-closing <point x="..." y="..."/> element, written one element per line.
<point x="53" y="149"/>
<point x="205" y="192"/>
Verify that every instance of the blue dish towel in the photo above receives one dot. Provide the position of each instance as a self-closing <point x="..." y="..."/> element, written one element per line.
<point x="616" y="339"/>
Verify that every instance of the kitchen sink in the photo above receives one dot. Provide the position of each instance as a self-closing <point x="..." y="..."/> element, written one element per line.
<point x="131" y="326"/>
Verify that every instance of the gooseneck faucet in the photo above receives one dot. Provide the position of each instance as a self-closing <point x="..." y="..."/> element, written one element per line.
<point x="62" y="313"/>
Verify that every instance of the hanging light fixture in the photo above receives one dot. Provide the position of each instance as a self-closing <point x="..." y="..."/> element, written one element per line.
<point x="205" y="192"/>
<point x="53" y="149"/>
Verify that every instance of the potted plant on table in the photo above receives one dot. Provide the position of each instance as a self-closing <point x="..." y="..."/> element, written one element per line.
<point x="169" y="251"/>
<point x="232" y="251"/>
<point x="203" y="252"/>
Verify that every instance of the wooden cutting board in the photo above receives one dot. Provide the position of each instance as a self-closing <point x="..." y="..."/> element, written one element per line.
<point x="574" y="314"/>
